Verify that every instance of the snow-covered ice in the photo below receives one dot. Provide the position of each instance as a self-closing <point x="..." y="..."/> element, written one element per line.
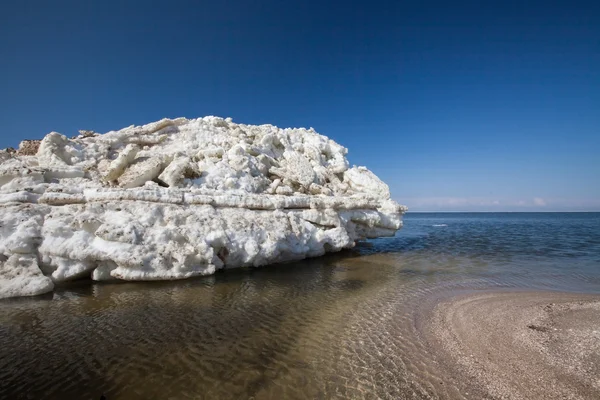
<point x="179" y="198"/>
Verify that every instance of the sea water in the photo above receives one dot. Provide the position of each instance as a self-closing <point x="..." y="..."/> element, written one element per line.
<point x="340" y="326"/>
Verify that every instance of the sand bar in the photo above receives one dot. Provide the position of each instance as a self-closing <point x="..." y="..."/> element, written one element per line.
<point x="519" y="345"/>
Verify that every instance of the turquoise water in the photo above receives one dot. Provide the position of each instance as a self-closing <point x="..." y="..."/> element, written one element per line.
<point x="341" y="326"/>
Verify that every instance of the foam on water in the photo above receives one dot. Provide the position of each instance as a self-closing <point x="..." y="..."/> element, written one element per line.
<point x="342" y="326"/>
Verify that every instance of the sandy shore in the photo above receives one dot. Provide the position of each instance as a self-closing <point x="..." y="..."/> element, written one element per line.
<point x="519" y="345"/>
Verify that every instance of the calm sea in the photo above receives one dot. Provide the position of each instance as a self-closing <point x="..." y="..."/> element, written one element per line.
<point x="341" y="326"/>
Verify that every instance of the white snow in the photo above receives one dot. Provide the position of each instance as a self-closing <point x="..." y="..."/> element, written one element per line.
<point x="180" y="198"/>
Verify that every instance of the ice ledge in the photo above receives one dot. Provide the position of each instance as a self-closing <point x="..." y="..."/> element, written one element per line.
<point x="216" y="199"/>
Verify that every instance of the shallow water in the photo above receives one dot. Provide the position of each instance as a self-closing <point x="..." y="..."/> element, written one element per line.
<point x="341" y="326"/>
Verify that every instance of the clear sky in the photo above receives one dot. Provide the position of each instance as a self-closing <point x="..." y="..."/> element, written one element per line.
<point x="481" y="105"/>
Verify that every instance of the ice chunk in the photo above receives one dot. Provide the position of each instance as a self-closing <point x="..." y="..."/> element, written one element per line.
<point x="179" y="198"/>
<point x="20" y="276"/>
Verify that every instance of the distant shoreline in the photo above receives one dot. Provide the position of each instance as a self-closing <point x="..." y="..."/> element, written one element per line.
<point x="501" y="212"/>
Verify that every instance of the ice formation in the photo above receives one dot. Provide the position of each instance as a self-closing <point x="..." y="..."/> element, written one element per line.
<point x="179" y="198"/>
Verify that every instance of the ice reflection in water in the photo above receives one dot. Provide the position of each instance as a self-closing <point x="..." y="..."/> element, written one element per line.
<point x="342" y="326"/>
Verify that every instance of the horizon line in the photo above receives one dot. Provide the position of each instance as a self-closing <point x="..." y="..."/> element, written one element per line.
<point x="523" y="212"/>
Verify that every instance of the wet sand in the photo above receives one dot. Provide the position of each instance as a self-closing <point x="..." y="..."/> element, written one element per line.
<point x="518" y="345"/>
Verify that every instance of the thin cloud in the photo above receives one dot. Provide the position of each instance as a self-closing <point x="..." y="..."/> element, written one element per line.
<point x="497" y="204"/>
<point x="482" y="204"/>
<point x="450" y="202"/>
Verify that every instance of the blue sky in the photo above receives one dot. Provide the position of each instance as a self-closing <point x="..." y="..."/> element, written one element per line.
<point x="481" y="105"/>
